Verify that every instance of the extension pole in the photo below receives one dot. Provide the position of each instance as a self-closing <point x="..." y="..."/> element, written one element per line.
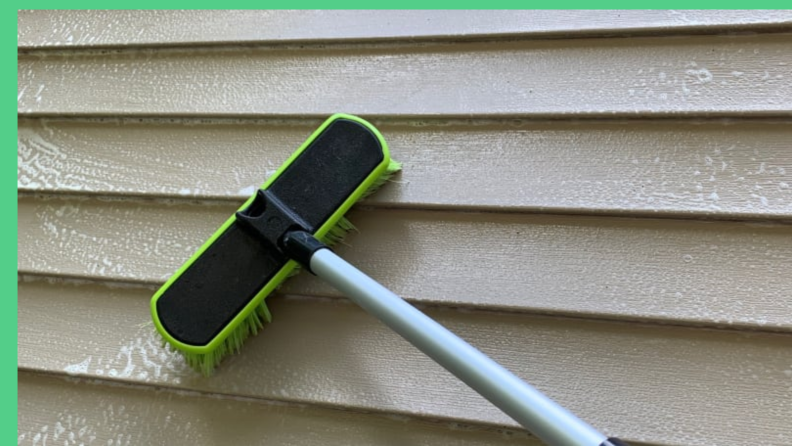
<point x="532" y="409"/>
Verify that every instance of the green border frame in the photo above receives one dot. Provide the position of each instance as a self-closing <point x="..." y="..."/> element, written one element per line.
<point x="9" y="277"/>
<point x="284" y="273"/>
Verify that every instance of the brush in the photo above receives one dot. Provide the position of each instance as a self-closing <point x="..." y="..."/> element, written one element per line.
<point x="216" y="300"/>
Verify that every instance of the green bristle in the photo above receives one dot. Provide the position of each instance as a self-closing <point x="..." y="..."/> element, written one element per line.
<point x="206" y="363"/>
<point x="393" y="167"/>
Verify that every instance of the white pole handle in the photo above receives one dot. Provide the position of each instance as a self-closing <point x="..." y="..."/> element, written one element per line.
<point x="536" y="412"/>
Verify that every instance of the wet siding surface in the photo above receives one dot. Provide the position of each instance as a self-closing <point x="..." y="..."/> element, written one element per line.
<point x="600" y="201"/>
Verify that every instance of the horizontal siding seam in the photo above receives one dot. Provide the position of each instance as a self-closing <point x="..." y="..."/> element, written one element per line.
<point x="438" y="122"/>
<point x="731" y="30"/>
<point x="73" y="280"/>
<point x="373" y="206"/>
<point x="449" y="423"/>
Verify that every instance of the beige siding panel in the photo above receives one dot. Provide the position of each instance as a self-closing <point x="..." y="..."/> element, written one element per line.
<point x="744" y="76"/>
<point x="676" y="271"/>
<point x="54" y="411"/>
<point x="52" y="29"/>
<point x="719" y="170"/>
<point x="665" y="385"/>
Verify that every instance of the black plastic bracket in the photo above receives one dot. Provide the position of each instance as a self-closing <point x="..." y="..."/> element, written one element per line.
<point x="269" y="220"/>
<point x="280" y="228"/>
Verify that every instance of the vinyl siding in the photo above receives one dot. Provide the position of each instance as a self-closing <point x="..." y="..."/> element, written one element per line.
<point x="600" y="200"/>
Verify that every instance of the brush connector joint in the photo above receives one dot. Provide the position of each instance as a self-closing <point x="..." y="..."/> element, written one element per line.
<point x="301" y="246"/>
<point x="269" y="220"/>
